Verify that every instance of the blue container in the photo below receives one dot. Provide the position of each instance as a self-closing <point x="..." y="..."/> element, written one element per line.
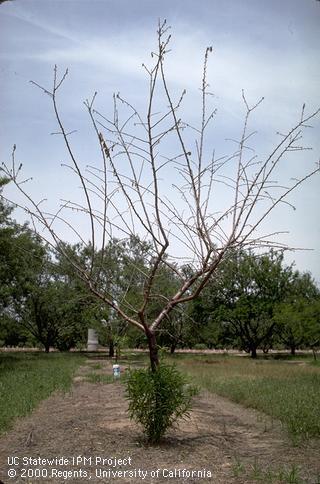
<point x="116" y="371"/>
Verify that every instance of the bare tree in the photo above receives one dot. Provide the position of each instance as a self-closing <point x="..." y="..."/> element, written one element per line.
<point x="130" y="194"/>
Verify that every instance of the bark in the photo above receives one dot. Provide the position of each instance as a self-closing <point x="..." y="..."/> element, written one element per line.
<point x="111" y="348"/>
<point x="153" y="349"/>
<point x="253" y="350"/>
<point x="293" y="350"/>
<point x="173" y="348"/>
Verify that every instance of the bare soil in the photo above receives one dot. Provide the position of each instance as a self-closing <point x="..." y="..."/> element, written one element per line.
<point x="232" y="443"/>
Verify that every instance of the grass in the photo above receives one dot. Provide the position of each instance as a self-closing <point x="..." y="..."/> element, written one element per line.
<point x="99" y="378"/>
<point x="284" y="390"/>
<point x="96" y="366"/>
<point x="28" y="378"/>
<point x="285" y="474"/>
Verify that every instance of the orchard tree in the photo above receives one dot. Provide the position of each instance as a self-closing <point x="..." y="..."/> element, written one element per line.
<point x="205" y="326"/>
<point x="296" y="316"/>
<point x="37" y="297"/>
<point x="243" y="297"/>
<point x="313" y="328"/>
<point x="53" y="314"/>
<point x="21" y="258"/>
<point x="168" y="201"/>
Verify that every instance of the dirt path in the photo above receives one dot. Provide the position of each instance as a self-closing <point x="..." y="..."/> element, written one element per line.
<point x="233" y="444"/>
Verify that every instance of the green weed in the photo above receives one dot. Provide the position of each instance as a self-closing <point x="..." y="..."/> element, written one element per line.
<point x="158" y="399"/>
<point x="285" y="391"/>
<point x="238" y="468"/>
<point x="28" y="378"/>
<point x="285" y="475"/>
<point x="99" y="378"/>
<point x="96" y="366"/>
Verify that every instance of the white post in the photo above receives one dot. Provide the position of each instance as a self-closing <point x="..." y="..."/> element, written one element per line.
<point x="93" y="341"/>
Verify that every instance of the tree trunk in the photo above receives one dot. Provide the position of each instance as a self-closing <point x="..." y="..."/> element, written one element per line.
<point x="111" y="348"/>
<point x="172" y="348"/>
<point x="47" y="348"/>
<point x="292" y="350"/>
<point x="153" y="350"/>
<point x="253" y="350"/>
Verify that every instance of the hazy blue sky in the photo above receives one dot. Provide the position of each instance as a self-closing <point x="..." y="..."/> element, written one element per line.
<point x="269" y="48"/>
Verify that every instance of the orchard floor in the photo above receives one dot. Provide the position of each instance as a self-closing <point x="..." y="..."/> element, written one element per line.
<point x="234" y="444"/>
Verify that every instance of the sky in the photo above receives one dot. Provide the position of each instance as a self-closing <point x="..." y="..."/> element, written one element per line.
<point x="268" y="49"/>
